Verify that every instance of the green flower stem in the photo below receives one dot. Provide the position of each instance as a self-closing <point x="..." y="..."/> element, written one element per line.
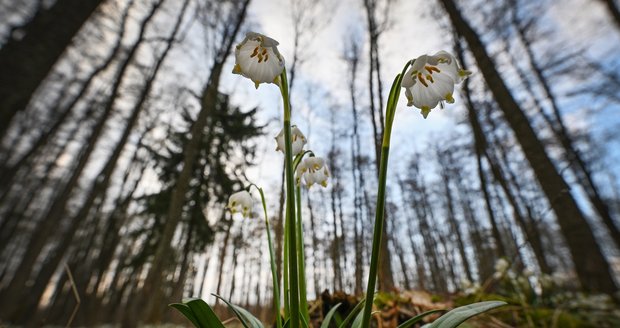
<point x="303" y="301"/>
<point x="287" y="287"/>
<point x="290" y="205"/>
<point x="380" y="210"/>
<point x="272" y="257"/>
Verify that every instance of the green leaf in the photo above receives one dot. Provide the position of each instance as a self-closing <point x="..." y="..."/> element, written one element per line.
<point x="417" y="318"/>
<point x="246" y="318"/>
<point x="351" y="315"/>
<point x="187" y="312"/>
<point x="304" y="323"/>
<point x="460" y="314"/>
<point x="329" y="315"/>
<point x="204" y="314"/>
<point x="357" y="323"/>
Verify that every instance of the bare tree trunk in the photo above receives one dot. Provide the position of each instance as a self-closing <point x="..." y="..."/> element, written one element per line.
<point x="7" y="174"/>
<point x="481" y="144"/>
<point x="613" y="10"/>
<point x="56" y="212"/>
<point x="556" y="124"/>
<point x="101" y="184"/>
<point x="237" y="244"/>
<point x="352" y="56"/>
<point x="454" y="226"/>
<point x="222" y="257"/>
<point x="385" y="275"/>
<point x="151" y="284"/>
<point x="27" y="61"/>
<point x="591" y="266"/>
<point x="337" y="249"/>
<point x="315" y="248"/>
<point x="410" y="218"/>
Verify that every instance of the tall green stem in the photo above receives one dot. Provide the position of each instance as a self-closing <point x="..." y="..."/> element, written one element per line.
<point x="286" y="288"/>
<point x="379" y="215"/>
<point x="272" y="258"/>
<point x="303" y="300"/>
<point x="290" y="205"/>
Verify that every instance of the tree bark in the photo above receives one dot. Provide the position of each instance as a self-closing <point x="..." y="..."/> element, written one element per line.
<point x="591" y="266"/>
<point x="27" y="61"/>
<point x="613" y="10"/>
<point x="572" y="155"/>
<point x="190" y="151"/>
<point x="56" y="212"/>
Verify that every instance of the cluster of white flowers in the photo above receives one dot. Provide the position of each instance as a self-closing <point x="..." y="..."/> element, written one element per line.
<point x="240" y="202"/>
<point x="430" y="80"/>
<point x="312" y="170"/>
<point x="298" y="140"/>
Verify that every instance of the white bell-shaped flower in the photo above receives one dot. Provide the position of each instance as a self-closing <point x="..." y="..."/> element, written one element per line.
<point x="257" y="58"/>
<point x="240" y="202"/>
<point x="312" y="170"/>
<point x="298" y="140"/>
<point x="430" y="81"/>
<point x="501" y="266"/>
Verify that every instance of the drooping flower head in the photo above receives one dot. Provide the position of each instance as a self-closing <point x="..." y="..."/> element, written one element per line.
<point x="257" y="58"/>
<point x="430" y="81"/>
<point x="240" y="202"/>
<point x="298" y="140"/>
<point x="501" y="266"/>
<point x="312" y="170"/>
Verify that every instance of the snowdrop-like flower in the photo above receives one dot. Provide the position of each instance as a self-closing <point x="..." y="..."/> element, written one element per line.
<point x="257" y="58"/>
<point x="298" y="140"/>
<point x="468" y="287"/>
<point x="240" y="202"/>
<point x="312" y="170"/>
<point x="501" y="266"/>
<point x="430" y="81"/>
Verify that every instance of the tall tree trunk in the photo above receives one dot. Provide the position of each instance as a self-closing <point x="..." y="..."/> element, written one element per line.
<point x="153" y="280"/>
<point x="352" y="57"/>
<point x="315" y="248"/>
<point x="101" y="183"/>
<point x="591" y="266"/>
<point x="454" y="226"/>
<point x="481" y="144"/>
<point x="336" y="249"/>
<point x="385" y="274"/>
<point x="410" y="218"/>
<point x="27" y="61"/>
<point x="613" y="10"/>
<point x="8" y="174"/>
<point x="222" y="257"/>
<point x="56" y="212"/>
<point x="572" y="155"/>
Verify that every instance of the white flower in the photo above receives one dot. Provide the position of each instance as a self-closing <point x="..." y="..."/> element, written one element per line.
<point x="313" y="170"/>
<point x="431" y="80"/>
<point x="240" y="202"/>
<point x="298" y="140"/>
<point x="257" y="58"/>
<point x="501" y="266"/>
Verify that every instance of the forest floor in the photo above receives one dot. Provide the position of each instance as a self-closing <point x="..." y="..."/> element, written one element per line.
<point x="560" y="309"/>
